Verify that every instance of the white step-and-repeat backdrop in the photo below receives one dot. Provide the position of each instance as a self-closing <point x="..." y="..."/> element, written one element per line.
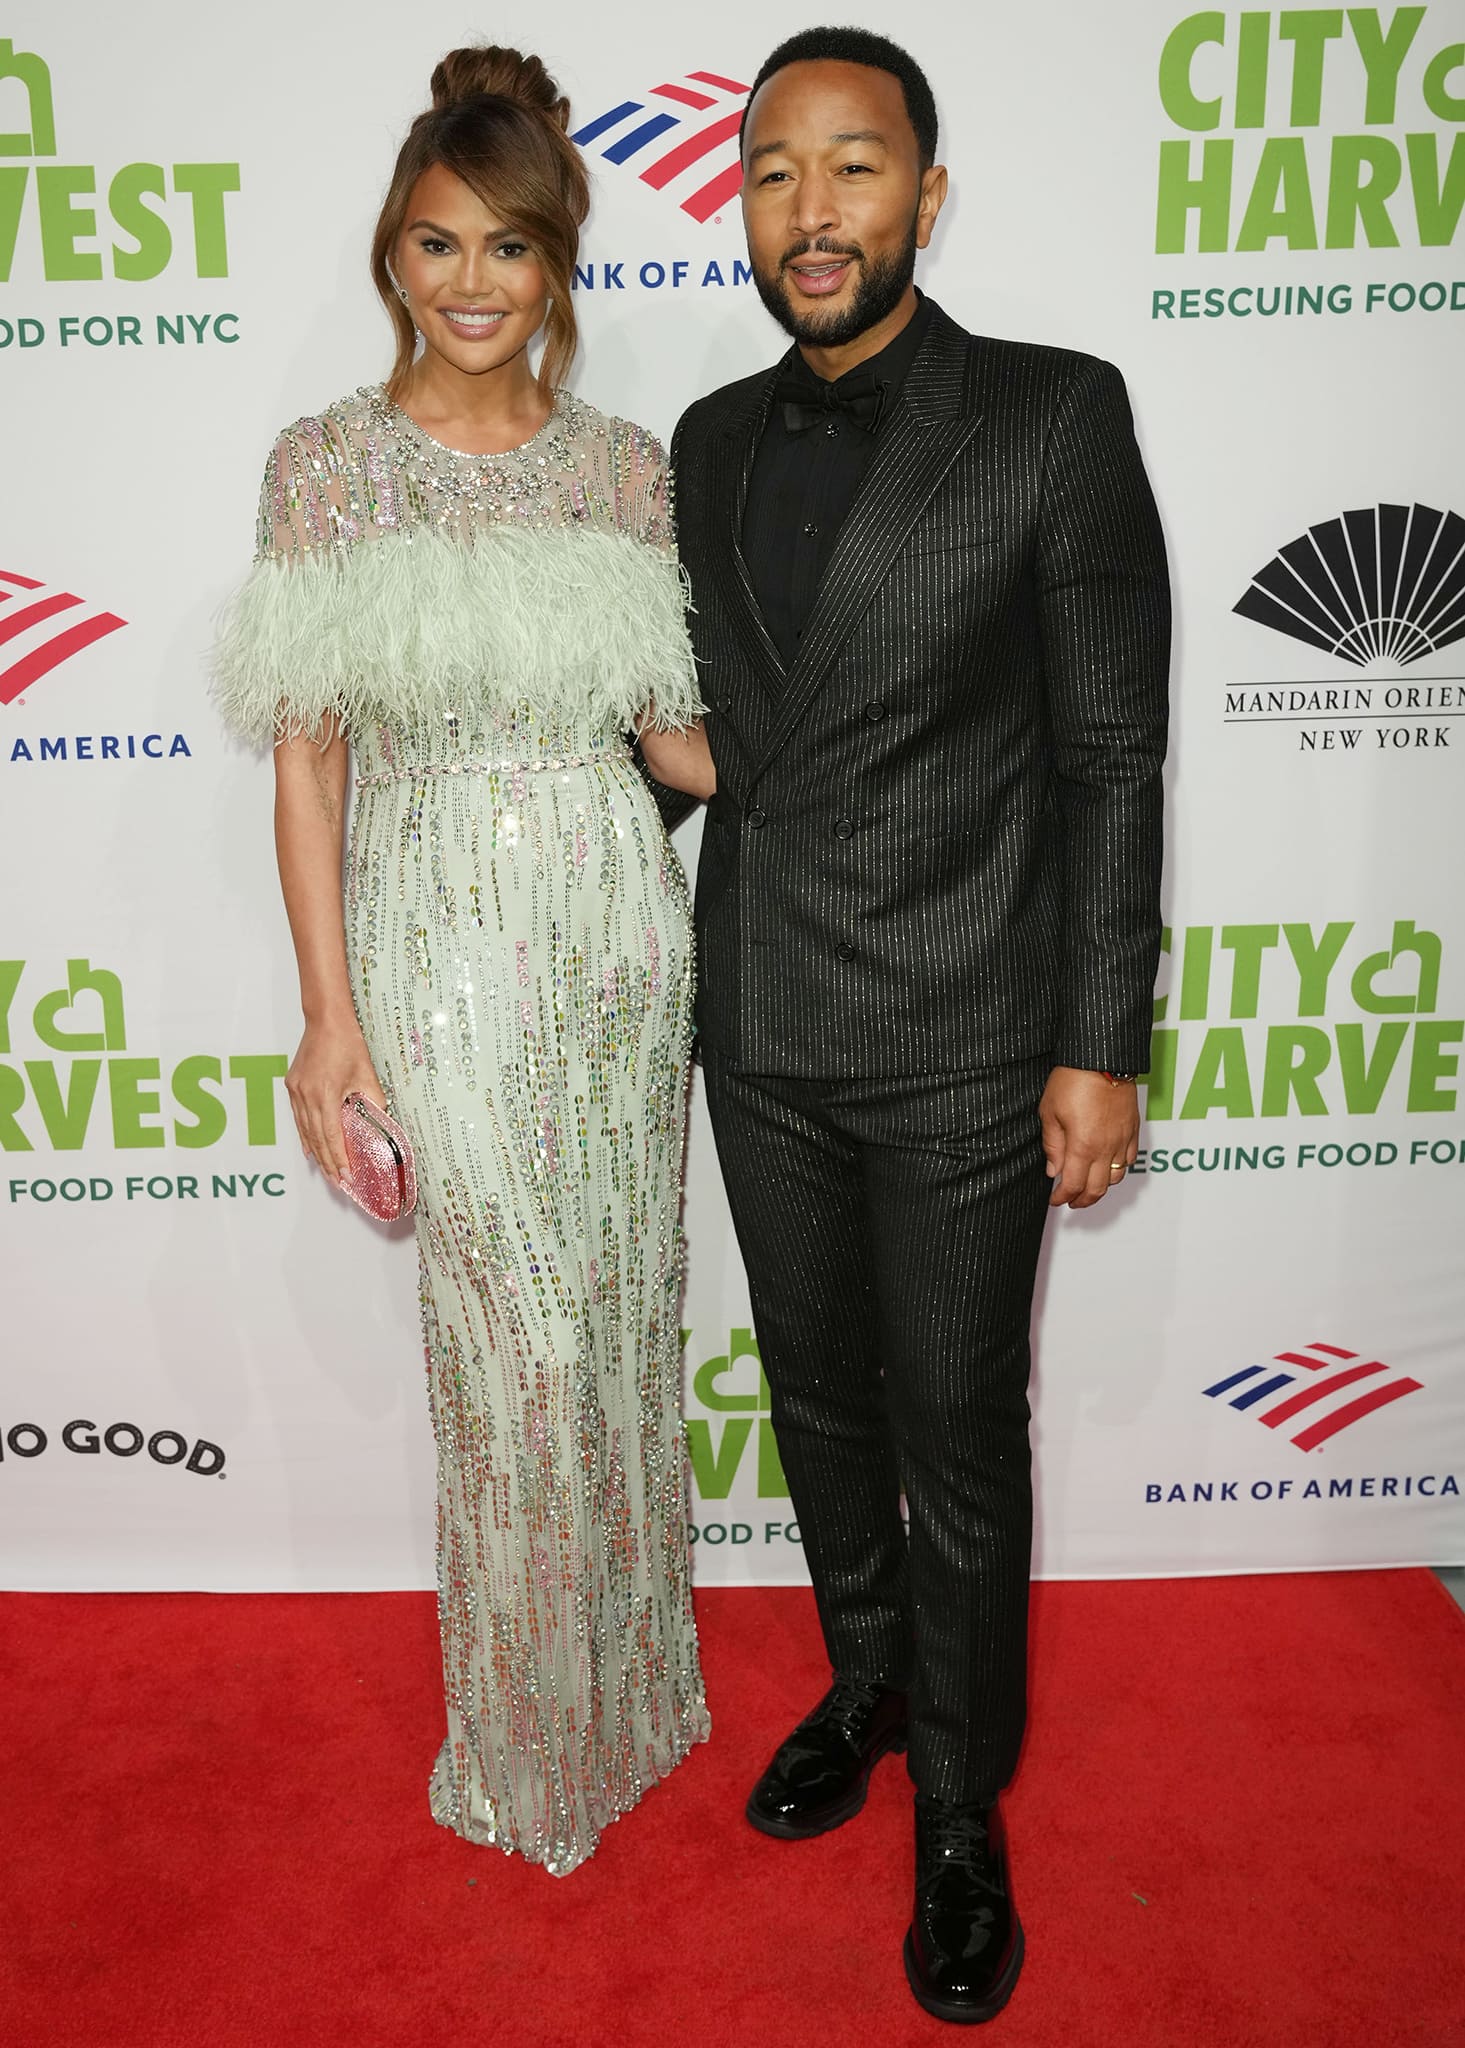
<point x="1251" y="1356"/>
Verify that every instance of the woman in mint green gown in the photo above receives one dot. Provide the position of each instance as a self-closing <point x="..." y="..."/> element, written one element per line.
<point x="470" y="636"/>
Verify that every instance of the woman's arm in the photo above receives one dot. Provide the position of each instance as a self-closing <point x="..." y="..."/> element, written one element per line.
<point x="332" y="1059"/>
<point x="681" y="759"/>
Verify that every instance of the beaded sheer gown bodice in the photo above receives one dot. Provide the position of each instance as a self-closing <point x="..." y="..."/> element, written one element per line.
<point x="485" y="629"/>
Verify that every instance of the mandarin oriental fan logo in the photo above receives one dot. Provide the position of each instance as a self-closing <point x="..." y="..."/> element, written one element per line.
<point x="1385" y="585"/>
<point x="1381" y="590"/>
<point x="41" y="627"/>
<point x="698" y="120"/>
<point x="1324" y="1403"/>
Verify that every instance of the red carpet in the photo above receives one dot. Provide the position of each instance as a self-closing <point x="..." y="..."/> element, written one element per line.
<point x="1240" y="1820"/>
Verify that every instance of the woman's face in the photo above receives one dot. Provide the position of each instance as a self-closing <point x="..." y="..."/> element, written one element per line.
<point x="474" y="286"/>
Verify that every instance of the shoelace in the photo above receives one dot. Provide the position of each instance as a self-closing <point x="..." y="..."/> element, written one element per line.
<point x="845" y="1707"/>
<point x="957" y="1840"/>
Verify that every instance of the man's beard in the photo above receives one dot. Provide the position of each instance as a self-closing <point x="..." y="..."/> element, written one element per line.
<point x="881" y="287"/>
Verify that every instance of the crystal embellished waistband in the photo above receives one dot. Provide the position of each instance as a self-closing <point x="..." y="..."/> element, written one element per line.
<point x="544" y="764"/>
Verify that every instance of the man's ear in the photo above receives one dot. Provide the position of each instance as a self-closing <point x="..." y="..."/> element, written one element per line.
<point x="933" y="198"/>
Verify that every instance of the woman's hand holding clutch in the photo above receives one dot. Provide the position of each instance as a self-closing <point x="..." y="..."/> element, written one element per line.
<point x="331" y="1063"/>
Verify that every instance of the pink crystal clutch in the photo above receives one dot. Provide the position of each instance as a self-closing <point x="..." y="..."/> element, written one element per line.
<point x="380" y="1177"/>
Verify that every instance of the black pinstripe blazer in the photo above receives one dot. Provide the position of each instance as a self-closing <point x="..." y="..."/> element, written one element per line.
<point x="936" y="839"/>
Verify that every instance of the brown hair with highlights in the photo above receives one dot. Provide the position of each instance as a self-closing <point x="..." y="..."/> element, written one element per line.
<point x="500" y="123"/>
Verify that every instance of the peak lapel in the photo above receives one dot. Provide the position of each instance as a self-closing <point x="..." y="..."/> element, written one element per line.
<point x="731" y="455"/>
<point x="923" y="435"/>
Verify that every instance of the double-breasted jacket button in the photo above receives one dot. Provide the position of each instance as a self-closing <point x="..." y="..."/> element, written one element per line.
<point x="845" y="950"/>
<point x="757" y="819"/>
<point x="874" y="711"/>
<point x="843" y="829"/>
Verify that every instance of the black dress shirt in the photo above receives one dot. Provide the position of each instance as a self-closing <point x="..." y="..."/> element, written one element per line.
<point x="804" y="483"/>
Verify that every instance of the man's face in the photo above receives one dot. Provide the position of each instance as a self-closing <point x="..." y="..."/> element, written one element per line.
<point x="835" y="203"/>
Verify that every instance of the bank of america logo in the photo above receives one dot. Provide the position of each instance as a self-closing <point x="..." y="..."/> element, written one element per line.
<point x="1386" y="585"/>
<point x="1325" y="1402"/>
<point x="40" y="627"/>
<point x="701" y="168"/>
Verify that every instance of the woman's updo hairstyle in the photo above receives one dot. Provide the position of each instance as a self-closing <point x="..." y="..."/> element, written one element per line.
<point x="500" y="123"/>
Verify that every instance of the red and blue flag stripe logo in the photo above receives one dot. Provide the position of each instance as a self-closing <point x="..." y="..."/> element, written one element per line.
<point x="701" y="167"/>
<point x="40" y="628"/>
<point x="1323" y="1402"/>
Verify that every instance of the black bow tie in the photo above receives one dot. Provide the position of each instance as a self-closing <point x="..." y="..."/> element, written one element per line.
<point x="859" y="396"/>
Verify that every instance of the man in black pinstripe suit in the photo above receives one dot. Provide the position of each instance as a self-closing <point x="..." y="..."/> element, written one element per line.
<point x="932" y="614"/>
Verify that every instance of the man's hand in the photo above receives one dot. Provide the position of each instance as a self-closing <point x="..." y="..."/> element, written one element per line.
<point x="1090" y="1134"/>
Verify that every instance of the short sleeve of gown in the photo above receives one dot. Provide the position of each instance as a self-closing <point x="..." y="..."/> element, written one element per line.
<point x="645" y="512"/>
<point x="279" y="633"/>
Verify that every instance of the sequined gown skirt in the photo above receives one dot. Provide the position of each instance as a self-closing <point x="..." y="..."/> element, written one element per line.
<point x="521" y="951"/>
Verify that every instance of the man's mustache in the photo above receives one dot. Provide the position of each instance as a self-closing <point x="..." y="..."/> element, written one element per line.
<point x="821" y="247"/>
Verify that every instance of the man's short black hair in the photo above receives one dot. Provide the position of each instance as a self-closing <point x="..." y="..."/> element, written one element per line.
<point x="860" y="46"/>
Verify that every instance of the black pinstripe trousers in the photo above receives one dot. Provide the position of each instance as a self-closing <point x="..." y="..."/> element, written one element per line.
<point x="890" y="1231"/>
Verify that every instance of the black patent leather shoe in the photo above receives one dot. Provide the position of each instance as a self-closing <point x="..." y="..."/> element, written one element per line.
<point x="964" y="1949"/>
<point x="820" y="1775"/>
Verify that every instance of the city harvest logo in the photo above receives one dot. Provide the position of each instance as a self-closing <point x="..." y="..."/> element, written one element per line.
<point x="1295" y="1019"/>
<point x="85" y="1089"/>
<point x="70" y="223"/>
<point x="40" y="628"/>
<point x="681" y="140"/>
<point x="1311" y="129"/>
<point x="1379" y="588"/>
<point x="732" y="1449"/>
<point x="52" y="205"/>
<point x="1324" y="1405"/>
